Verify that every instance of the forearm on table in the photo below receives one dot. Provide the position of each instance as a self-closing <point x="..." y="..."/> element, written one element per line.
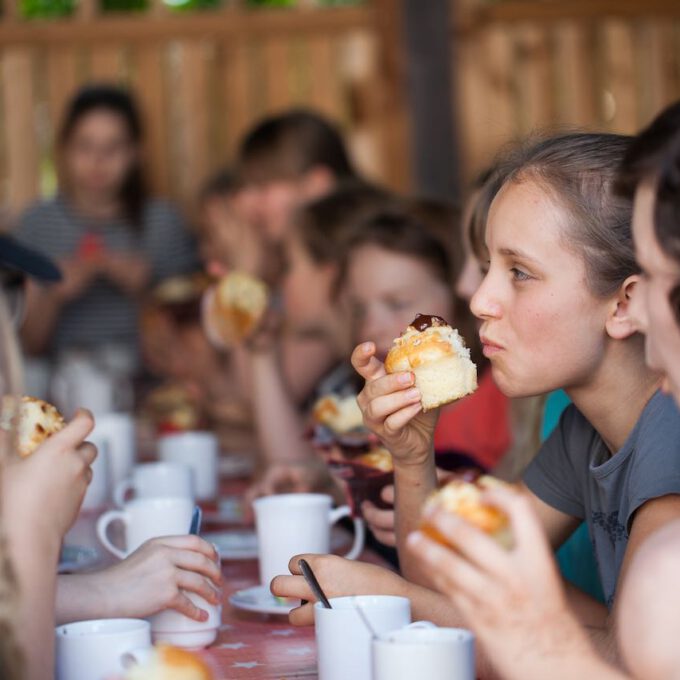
<point x="413" y="484"/>
<point x="279" y="425"/>
<point x="81" y="597"/>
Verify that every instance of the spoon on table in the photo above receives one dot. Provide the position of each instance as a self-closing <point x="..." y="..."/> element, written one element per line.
<point x="196" y="519"/>
<point x="313" y="583"/>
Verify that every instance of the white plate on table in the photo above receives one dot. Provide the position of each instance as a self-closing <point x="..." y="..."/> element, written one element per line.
<point x="76" y="557"/>
<point x="241" y="544"/>
<point x="258" y="599"/>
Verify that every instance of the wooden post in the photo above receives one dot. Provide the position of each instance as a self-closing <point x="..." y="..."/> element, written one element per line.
<point x="428" y="46"/>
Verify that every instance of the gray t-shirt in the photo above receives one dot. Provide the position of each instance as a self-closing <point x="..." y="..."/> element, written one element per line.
<point x="104" y="314"/>
<point x="575" y="473"/>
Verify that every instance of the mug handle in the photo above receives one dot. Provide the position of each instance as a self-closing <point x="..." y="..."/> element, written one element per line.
<point x="102" y="528"/>
<point x="359" y="530"/>
<point x="121" y="491"/>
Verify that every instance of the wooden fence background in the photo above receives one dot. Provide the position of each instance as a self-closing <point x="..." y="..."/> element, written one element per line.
<point x="595" y="64"/>
<point x="202" y="78"/>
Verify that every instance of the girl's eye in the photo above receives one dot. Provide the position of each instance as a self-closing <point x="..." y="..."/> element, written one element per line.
<point x="519" y="275"/>
<point x="398" y="305"/>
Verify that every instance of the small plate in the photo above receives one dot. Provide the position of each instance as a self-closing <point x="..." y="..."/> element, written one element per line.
<point x="241" y="544"/>
<point x="258" y="599"/>
<point x="76" y="557"/>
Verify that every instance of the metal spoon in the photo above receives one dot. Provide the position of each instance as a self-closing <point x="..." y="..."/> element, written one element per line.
<point x="196" y="519"/>
<point x="313" y="583"/>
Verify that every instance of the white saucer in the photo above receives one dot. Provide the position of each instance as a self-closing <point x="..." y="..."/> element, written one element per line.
<point x="76" y="557"/>
<point x="241" y="544"/>
<point x="258" y="599"/>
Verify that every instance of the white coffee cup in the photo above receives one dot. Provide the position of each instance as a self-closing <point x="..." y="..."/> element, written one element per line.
<point x="432" y="653"/>
<point x="296" y="523"/>
<point x="101" y="649"/>
<point x="156" y="480"/>
<point x="98" y="491"/>
<point x="146" y="518"/>
<point x="118" y="430"/>
<point x="344" y="639"/>
<point x="198" y="450"/>
<point x="176" y="629"/>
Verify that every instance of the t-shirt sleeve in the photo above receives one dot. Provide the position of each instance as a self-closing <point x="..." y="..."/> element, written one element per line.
<point x="656" y="470"/>
<point x="552" y="475"/>
<point x="170" y="245"/>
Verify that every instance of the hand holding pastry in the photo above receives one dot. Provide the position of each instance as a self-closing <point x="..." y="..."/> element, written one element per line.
<point x="167" y="662"/>
<point x="392" y="410"/>
<point x="507" y="596"/>
<point x="42" y="492"/>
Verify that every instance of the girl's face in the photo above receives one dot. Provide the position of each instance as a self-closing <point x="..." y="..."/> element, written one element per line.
<point x="651" y="307"/>
<point x="542" y="329"/>
<point x="386" y="290"/>
<point x="99" y="153"/>
<point x="307" y="287"/>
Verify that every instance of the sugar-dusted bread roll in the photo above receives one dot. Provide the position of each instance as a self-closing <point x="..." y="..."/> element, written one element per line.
<point x="240" y="301"/>
<point x="464" y="499"/>
<point x="33" y="420"/>
<point x="170" y="663"/>
<point x="438" y="357"/>
<point x="339" y="414"/>
<point x="378" y="458"/>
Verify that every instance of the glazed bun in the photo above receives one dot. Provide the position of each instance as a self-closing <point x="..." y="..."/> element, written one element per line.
<point x="339" y="414"/>
<point x="170" y="663"/>
<point x="239" y="303"/>
<point x="33" y="420"/>
<point x="378" y="458"/>
<point x="464" y="498"/>
<point x="439" y="359"/>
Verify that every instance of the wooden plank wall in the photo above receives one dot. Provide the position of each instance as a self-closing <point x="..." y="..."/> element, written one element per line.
<point x="593" y="64"/>
<point x="201" y="80"/>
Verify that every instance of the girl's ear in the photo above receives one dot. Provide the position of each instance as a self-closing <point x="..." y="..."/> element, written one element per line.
<point x="621" y="323"/>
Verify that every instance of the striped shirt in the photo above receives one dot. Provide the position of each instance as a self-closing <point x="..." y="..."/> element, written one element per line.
<point x="103" y="314"/>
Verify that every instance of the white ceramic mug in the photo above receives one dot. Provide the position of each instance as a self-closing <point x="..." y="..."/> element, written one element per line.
<point x="295" y="523"/>
<point x="97" y="495"/>
<point x="432" y="653"/>
<point x="173" y="628"/>
<point x="156" y="480"/>
<point x="146" y="518"/>
<point x="118" y="430"/>
<point x="101" y="649"/>
<point x="344" y="640"/>
<point x="198" y="450"/>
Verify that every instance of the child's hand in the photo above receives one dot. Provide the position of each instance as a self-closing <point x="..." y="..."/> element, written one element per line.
<point x="337" y="577"/>
<point x="506" y="596"/>
<point x="381" y="522"/>
<point x="153" y="577"/>
<point x="42" y="494"/>
<point x="391" y="408"/>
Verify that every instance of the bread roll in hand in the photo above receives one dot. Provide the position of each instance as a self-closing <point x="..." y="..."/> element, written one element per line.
<point x="32" y="420"/>
<point x="170" y="663"/>
<point x="237" y="305"/>
<point x="464" y="498"/>
<point x="439" y="359"/>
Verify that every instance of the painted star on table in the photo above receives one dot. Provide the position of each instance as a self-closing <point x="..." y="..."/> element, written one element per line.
<point x="246" y="664"/>
<point x="233" y="645"/>
<point x="286" y="632"/>
<point x="299" y="651"/>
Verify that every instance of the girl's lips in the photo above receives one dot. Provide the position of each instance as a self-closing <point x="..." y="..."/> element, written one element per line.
<point x="489" y="350"/>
